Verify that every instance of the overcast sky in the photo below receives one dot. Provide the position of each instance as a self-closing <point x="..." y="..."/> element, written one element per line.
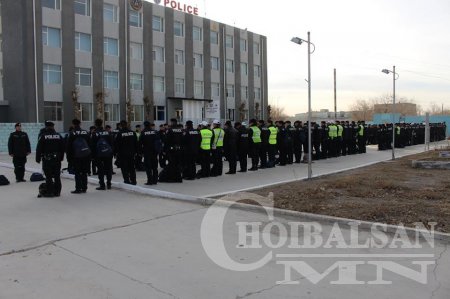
<point x="357" y="37"/>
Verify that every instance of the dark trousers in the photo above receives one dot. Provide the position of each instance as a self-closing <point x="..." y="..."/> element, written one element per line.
<point x="290" y="153"/>
<point x="52" y="172"/>
<point x="320" y="151"/>
<point x="81" y="167"/>
<point x="205" y="162"/>
<point x="254" y="154"/>
<point x="104" y="168"/>
<point x="243" y="160"/>
<point x="271" y="150"/>
<point x="151" y="168"/>
<point x="263" y="155"/>
<point x="361" y="145"/>
<point x="232" y="161"/>
<point x="298" y="152"/>
<point x="128" y="170"/>
<point x="19" y="167"/>
<point x="189" y="168"/>
<point x="174" y="166"/>
<point x="94" y="167"/>
<point x="282" y="158"/>
<point x="217" y="155"/>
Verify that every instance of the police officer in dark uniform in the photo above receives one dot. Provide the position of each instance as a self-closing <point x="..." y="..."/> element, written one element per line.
<point x="102" y="153"/>
<point x="230" y="146"/>
<point x="290" y="132"/>
<point x="282" y="143"/>
<point x="149" y="147"/>
<point x="50" y="149"/>
<point x="19" y="148"/>
<point x="173" y="146"/>
<point x="263" y="150"/>
<point x="79" y="152"/>
<point x="191" y="147"/>
<point x="297" y="141"/>
<point x="243" y="145"/>
<point x="125" y="147"/>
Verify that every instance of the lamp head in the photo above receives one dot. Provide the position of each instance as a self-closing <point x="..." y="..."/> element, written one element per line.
<point x="385" y="71"/>
<point x="297" y="40"/>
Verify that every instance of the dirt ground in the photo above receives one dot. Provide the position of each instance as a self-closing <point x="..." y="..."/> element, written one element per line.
<point x="388" y="192"/>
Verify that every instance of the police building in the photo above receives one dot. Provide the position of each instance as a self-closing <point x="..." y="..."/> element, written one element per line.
<point x="126" y="59"/>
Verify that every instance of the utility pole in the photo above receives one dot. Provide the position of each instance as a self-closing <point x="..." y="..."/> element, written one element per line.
<point x="335" y="97"/>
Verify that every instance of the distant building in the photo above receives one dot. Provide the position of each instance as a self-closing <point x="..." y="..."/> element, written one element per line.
<point x="402" y="108"/>
<point x="324" y="115"/>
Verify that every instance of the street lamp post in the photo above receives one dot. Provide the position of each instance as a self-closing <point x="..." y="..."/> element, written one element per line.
<point x="395" y="78"/>
<point x="299" y="41"/>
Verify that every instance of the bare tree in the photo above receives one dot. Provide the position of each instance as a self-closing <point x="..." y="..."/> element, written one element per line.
<point x="76" y="104"/>
<point x="148" y="105"/>
<point x="277" y="113"/>
<point x="100" y="101"/>
<point x="362" y="110"/>
<point x="129" y="111"/>
<point x="242" y="111"/>
<point x="257" y="111"/>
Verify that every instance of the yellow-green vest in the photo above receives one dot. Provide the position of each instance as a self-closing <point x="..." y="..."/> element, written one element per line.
<point x="332" y="131"/>
<point x="206" y="139"/>
<point x="273" y="135"/>
<point x="397" y="130"/>
<point x="340" y="130"/>
<point x="361" y="130"/>
<point x="218" y="137"/>
<point x="256" y="134"/>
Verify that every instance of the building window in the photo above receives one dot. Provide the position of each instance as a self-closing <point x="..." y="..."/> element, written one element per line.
<point x="257" y="93"/>
<point x="160" y="113"/>
<point x="53" y="4"/>
<point x="198" y="60"/>
<point x="215" y="89"/>
<point x="53" y="111"/>
<point x="51" y="37"/>
<point x="136" y="51"/>
<point x="214" y="37"/>
<point x="136" y="81"/>
<point x="198" y="88"/>
<point x="135" y="19"/>
<point x="244" y="69"/>
<point x="178" y="29"/>
<point x="230" y="91"/>
<point x="230" y="114"/>
<point x="215" y="63"/>
<point x="83" y="42"/>
<point x="243" y="44"/>
<point x="256" y="49"/>
<point x="112" y="112"/>
<point x="158" y="84"/>
<point x="82" y="7"/>
<point x="110" y="13"/>
<point x="157" y="24"/>
<point x="197" y="33"/>
<point x="86" y="112"/>
<point x="179" y="57"/>
<point x="158" y="54"/>
<point x="229" y="42"/>
<point x="230" y="65"/>
<point x="179" y="86"/>
<point x="82" y="76"/>
<point x="111" y="46"/>
<point x="111" y="80"/>
<point x="244" y="92"/>
<point x="52" y="74"/>
<point x="137" y="113"/>
<point x="257" y="71"/>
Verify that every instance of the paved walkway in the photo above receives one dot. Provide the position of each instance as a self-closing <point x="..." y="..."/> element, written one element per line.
<point x="123" y="245"/>
<point x="211" y="187"/>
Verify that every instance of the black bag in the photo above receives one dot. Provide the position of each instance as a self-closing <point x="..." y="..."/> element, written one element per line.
<point x="81" y="148"/>
<point x="43" y="191"/>
<point x="104" y="149"/>
<point x="37" y="177"/>
<point x="3" y="181"/>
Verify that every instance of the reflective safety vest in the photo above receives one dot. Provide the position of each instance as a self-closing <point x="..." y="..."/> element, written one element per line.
<point x="340" y="130"/>
<point x="256" y="134"/>
<point x="218" y="137"/>
<point x="332" y="131"/>
<point x="206" y="139"/>
<point x="397" y="130"/>
<point x="273" y="135"/>
<point x="361" y="130"/>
